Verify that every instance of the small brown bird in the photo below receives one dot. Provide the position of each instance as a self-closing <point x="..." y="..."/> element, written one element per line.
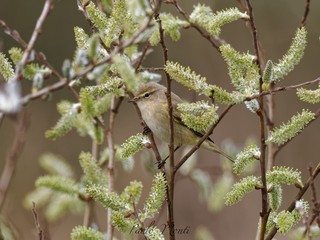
<point x="152" y="102"/>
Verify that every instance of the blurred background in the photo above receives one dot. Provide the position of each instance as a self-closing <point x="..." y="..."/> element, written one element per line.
<point x="276" y="22"/>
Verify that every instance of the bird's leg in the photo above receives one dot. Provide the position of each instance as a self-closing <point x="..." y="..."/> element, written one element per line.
<point x="146" y="130"/>
<point x="163" y="162"/>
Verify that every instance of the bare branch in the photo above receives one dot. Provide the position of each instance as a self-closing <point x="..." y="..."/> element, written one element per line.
<point x="264" y="193"/>
<point x="306" y="13"/>
<point x="37" y="222"/>
<point x="171" y="177"/>
<point x="36" y="32"/>
<point x="13" y="156"/>
<point x="300" y="194"/>
<point x="215" y="42"/>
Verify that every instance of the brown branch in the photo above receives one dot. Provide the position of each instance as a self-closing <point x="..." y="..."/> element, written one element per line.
<point x="305" y="14"/>
<point x="300" y="194"/>
<point x="143" y="55"/>
<point x="37" y="222"/>
<point x="264" y="192"/>
<point x="111" y="160"/>
<point x="215" y="41"/>
<point x="170" y="179"/>
<point x="13" y="156"/>
<point x="315" y="203"/>
<point x="36" y="32"/>
<point x="284" y="88"/>
<point x="204" y="138"/>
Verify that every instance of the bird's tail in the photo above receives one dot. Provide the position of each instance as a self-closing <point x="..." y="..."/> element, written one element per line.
<point x="215" y="148"/>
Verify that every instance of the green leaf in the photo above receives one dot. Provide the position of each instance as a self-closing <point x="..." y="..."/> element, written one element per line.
<point x="154" y="233"/>
<point x="172" y="25"/>
<point x="85" y="233"/>
<point x="16" y="55"/>
<point x="55" y="165"/>
<point x="132" y="191"/>
<point x="212" y="22"/>
<point x="284" y="175"/>
<point x="123" y="224"/>
<point x="59" y="184"/>
<point x="198" y="116"/>
<point x="240" y="189"/>
<point x="6" y="69"/>
<point x="293" y="56"/>
<point x="186" y="77"/>
<point x="93" y="174"/>
<point x="156" y="197"/>
<point x="244" y="73"/>
<point x="127" y="73"/>
<point x="292" y="128"/>
<point x="220" y="188"/>
<point x="67" y="121"/>
<point x="107" y="199"/>
<point x="284" y="221"/>
<point x="223" y="97"/>
<point x="203" y="181"/>
<point x="275" y="197"/>
<point x="133" y="145"/>
<point x="245" y="158"/>
<point x="309" y="96"/>
<point x="81" y="38"/>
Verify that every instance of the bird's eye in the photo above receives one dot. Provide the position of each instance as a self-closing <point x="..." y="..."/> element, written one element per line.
<point x="146" y="95"/>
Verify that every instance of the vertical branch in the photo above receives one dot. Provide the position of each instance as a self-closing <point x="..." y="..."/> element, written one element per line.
<point x="37" y="222"/>
<point x="111" y="163"/>
<point x="302" y="191"/>
<point x="172" y="172"/>
<point x="88" y="211"/>
<point x="12" y="157"/>
<point x="36" y="32"/>
<point x="264" y="194"/>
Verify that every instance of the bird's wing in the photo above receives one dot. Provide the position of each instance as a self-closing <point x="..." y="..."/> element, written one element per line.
<point x="177" y="118"/>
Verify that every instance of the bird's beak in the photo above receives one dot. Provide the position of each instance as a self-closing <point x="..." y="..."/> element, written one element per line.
<point x="135" y="99"/>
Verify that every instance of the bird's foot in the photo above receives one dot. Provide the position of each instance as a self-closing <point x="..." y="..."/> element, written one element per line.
<point x="161" y="163"/>
<point x="146" y="130"/>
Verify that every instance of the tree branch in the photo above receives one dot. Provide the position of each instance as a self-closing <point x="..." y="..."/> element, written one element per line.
<point x="302" y="191"/>
<point x="170" y="179"/>
<point x="264" y="192"/>
<point x="36" y="32"/>
<point x="305" y="14"/>
<point x="37" y="222"/>
<point x="215" y="41"/>
<point x="13" y="156"/>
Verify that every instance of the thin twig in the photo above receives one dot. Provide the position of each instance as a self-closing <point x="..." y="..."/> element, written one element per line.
<point x="305" y="14"/>
<point x="136" y="215"/>
<point x="111" y="160"/>
<point x="36" y="32"/>
<point x="264" y="192"/>
<point x="170" y="179"/>
<point x="141" y="58"/>
<point x="13" y="156"/>
<point x="204" y="138"/>
<point x="315" y="203"/>
<point x="216" y="42"/>
<point x="302" y="191"/>
<point x="284" y="88"/>
<point x="37" y="222"/>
